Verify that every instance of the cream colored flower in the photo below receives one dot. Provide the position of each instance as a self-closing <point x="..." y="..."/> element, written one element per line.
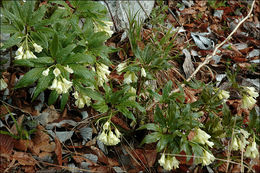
<point x="223" y="95"/>
<point x="68" y="69"/>
<point x="108" y="137"/>
<point x="130" y="77"/>
<point x="106" y="28"/>
<point x="112" y="138"/>
<point x="19" y="53"/>
<point x="81" y="100"/>
<point x="3" y="84"/>
<point x="61" y="85"/>
<point x="54" y="84"/>
<point x="29" y="55"/>
<point x="102" y="72"/>
<point x="252" y="151"/>
<point x="234" y="144"/>
<point x="168" y="162"/>
<point x="56" y="72"/>
<point x="249" y="99"/>
<point x="202" y="137"/>
<point x="143" y="73"/>
<point x="118" y="134"/>
<point x="46" y="72"/>
<point x="106" y="126"/>
<point x="66" y="85"/>
<point x="207" y="158"/>
<point x="103" y="137"/>
<point x="121" y="67"/>
<point x="37" y="48"/>
<point x="132" y="90"/>
<point x="251" y="92"/>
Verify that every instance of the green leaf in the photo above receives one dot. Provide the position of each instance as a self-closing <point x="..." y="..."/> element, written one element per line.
<point x="66" y="51"/>
<point x="91" y="93"/>
<point x="53" y="97"/>
<point x="158" y="116"/>
<point x="43" y="83"/>
<point x="166" y="90"/>
<point x="64" y="100"/>
<point x="24" y="62"/>
<point x="27" y="10"/>
<point x="125" y="112"/>
<point x="38" y="15"/>
<point x="133" y="104"/>
<point x="14" y="40"/>
<point x="54" y="46"/>
<point x="82" y="71"/>
<point x="163" y="142"/>
<point x="81" y="58"/>
<point x="6" y="28"/>
<point x="101" y="106"/>
<point x="150" y="126"/>
<point x="43" y="60"/>
<point x="152" y="137"/>
<point x="29" y="78"/>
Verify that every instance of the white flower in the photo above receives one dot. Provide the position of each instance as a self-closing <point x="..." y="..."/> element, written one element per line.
<point x="61" y="86"/>
<point x="106" y="28"/>
<point x="3" y="84"/>
<point x="245" y="133"/>
<point x="252" y="151"/>
<point x="202" y="137"/>
<point x="76" y="94"/>
<point x="207" y="158"/>
<point x="80" y="103"/>
<point x="118" y="134"/>
<point x="46" y="72"/>
<point x="56" y="72"/>
<point x="168" y="162"/>
<point x="130" y="77"/>
<point x="143" y="73"/>
<point x="248" y="102"/>
<point x="223" y="95"/>
<point x="68" y="69"/>
<point x="66" y="85"/>
<point x="54" y="84"/>
<point x="19" y="51"/>
<point x="102" y="72"/>
<point x="106" y="125"/>
<point x="81" y="100"/>
<point x="29" y="55"/>
<point x="112" y="138"/>
<point x="132" y="90"/>
<point x="251" y="92"/>
<point x="103" y="137"/>
<point x="37" y="48"/>
<point x="121" y="67"/>
<point x="234" y="144"/>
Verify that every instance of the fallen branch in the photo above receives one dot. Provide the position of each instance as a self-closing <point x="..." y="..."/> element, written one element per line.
<point x="208" y="58"/>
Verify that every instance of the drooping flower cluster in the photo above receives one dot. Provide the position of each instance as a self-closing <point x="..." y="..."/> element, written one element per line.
<point x="223" y="95"/>
<point x="239" y="142"/>
<point x="132" y="90"/>
<point x="249" y="99"/>
<point x="81" y="100"/>
<point x="60" y="84"/>
<point x="105" y="28"/>
<point x="130" y="77"/>
<point x="206" y="159"/>
<point x="102" y="73"/>
<point x="107" y="136"/>
<point x="252" y="151"/>
<point x="121" y="67"/>
<point x="143" y="73"/>
<point x="202" y="137"/>
<point x="37" y="48"/>
<point x="22" y="54"/>
<point x="168" y="162"/>
<point x="3" y="84"/>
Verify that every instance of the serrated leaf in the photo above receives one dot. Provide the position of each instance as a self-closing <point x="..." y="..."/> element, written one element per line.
<point x="54" y="46"/>
<point x="162" y="142"/>
<point x="150" y="126"/>
<point x="125" y="112"/>
<point x="152" y="137"/>
<point x="53" y="97"/>
<point x="82" y="71"/>
<point x="43" y="83"/>
<point x="92" y="93"/>
<point x="166" y="90"/>
<point x="81" y="58"/>
<point x="64" y="100"/>
<point x="6" y="28"/>
<point x="158" y="116"/>
<point x="100" y="106"/>
<point x="24" y="62"/>
<point x="43" y="60"/>
<point x="13" y="40"/>
<point x="29" y="78"/>
<point x="38" y="15"/>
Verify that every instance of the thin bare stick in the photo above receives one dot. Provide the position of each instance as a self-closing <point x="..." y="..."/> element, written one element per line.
<point x="208" y="58"/>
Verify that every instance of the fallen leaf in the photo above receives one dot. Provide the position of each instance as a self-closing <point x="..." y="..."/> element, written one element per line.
<point x="6" y="144"/>
<point x="24" y="159"/>
<point x="23" y="145"/>
<point x="101" y="156"/>
<point x="58" y="151"/>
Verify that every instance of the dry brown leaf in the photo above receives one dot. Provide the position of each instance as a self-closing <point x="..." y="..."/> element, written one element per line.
<point x="24" y="158"/>
<point x="19" y="123"/>
<point x="58" y="151"/>
<point x="80" y="159"/>
<point x="53" y="114"/>
<point x="120" y="122"/>
<point x="28" y="169"/>
<point x="23" y="145"/>
<point x="6" y="144"/>
<point x="101" y="156"/>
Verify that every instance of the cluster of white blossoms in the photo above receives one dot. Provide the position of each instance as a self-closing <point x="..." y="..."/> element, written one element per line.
<point x="132" y="90"/>
<point x="239" y="142"/>
<point x="168" y="162"/>
<point x="206" y="159"/>
<point x="106" y="28"/>
<point x="143" y="73"/>
<point x="249" y="99"/>
<point x="252" y="151"/>
<point x="223" y="95"/>
<point x="121" y="67"/>
<point x="60" y="84"/>
<point x="202" y="137"/>
<point x="130" y="77"/>
<point x="27" y="54"/>
<point x="107" y="136"/>
<point x="3" y="84"/>
<point x="102" y="72"/>
<point x="81" y="100"/>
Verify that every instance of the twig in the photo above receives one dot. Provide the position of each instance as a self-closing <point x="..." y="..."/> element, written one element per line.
<point x="111" y="15"/>
<point x="208" y="58"/>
